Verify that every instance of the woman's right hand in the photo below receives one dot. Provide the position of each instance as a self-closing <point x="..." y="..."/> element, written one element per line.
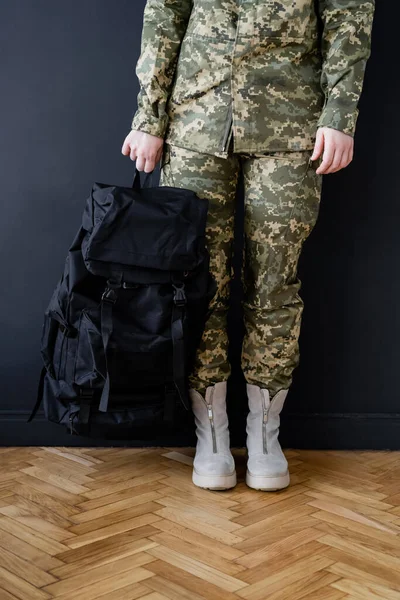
<point x="143" y="147"/>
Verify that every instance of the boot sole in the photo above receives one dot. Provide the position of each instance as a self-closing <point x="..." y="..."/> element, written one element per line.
<point x="268" y="484"/>
<point x="214" y="482"/>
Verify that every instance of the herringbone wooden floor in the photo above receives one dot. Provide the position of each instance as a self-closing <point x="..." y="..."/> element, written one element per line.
<point x="125" y="523"/>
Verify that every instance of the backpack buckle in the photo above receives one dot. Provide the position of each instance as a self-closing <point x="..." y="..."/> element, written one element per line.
<point x="70" y="332"/>
<point x="179" y="294"/>
<point x="113" y="283"/>
<point x="109" y="295"/>
<point x="86" y="393"/>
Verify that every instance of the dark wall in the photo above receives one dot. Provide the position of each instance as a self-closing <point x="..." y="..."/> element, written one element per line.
<point x="68" y="95"/>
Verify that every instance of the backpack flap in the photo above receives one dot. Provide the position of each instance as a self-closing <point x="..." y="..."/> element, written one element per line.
<point x="160" y="228"/>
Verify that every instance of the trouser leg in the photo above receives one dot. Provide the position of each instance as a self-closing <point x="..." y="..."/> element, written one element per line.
<point x="282" y="198"/>
<point x="215" y="179"/>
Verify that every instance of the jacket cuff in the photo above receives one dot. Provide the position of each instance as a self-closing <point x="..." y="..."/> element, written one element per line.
<point x="150" y="124"/>
<point x="338" y="118"/>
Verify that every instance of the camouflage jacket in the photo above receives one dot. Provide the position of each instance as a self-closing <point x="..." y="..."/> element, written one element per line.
<point x="268" y="72"/>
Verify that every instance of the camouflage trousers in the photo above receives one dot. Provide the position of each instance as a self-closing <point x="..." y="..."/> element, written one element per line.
<point x="282" y="196"/>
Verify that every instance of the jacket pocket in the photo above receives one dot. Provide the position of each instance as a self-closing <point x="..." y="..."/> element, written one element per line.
<point x="292" y="20"/>
<point x="212" y="22"/>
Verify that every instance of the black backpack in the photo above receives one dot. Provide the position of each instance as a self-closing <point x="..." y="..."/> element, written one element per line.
<point x="122" y="327"/>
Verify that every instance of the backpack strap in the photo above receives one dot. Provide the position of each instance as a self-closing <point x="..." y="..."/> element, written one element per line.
<point x="85" y="406"/>
<point x="148" y="180"/>
<point x="39" y="396"/>
<point x="178" y="343"/>
<point x="108" y="300"/>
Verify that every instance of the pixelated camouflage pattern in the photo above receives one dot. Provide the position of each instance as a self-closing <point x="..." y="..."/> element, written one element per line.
<point x="282" y="196"/>
<point x="267" y="72"/>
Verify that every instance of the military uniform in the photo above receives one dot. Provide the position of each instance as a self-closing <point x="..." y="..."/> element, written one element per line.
<point x="245" y="84"/>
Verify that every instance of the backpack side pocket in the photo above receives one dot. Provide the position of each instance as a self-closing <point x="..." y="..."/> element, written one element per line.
<point x="53" y="344"/>
<point x="90" y="364"/>
<point x="48" y="343"/>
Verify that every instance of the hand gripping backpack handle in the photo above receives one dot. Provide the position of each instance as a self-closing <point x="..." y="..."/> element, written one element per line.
<point x="147" y="180"/>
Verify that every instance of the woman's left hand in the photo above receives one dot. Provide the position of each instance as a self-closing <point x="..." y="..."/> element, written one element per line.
<point x="336" y="148"/>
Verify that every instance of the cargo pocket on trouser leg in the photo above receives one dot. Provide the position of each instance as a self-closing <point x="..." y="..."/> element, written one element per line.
<point x="306" y="202"/>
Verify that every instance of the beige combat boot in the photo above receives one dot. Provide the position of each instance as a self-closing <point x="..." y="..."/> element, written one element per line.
<point x="267" y="467"/>
<point x="213" y="464"/>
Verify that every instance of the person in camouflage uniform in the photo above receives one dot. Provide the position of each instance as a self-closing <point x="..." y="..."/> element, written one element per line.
<point x="253" y="86"/>
<point x="268" y="72"/>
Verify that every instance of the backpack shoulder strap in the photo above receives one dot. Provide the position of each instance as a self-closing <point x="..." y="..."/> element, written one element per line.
<point x="39" y="397"/>
<point x="178" y="342"/>
<point x="108" y="300"/>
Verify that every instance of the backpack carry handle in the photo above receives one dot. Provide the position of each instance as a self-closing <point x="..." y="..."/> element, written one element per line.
<point x="147" y="180"/>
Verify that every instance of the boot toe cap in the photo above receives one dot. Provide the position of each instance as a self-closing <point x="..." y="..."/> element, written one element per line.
<point x="265" y="465"/>
<point x="214" y="465"/>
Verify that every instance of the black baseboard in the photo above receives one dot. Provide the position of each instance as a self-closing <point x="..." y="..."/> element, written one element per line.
<point x="307" y="431"/>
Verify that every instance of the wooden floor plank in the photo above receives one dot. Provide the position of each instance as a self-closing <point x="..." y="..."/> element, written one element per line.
<point x="91" y="552"/>
<point x="36" y="538"/>
<point x="28" y="552"/>
<point x="41" y="521"/>
<point x="104" y="557"/>
<point x="20" y="587"/>
<point x="110" y="530"/>
<point x="363" y="576"/>
<point x="210" y="555"/>
<point x="105" y="586"/>
<point x="90" y="577"/>
<point x="35" y="575"/>
<point x="197" y="568"/>
<point x="128" y="523"/>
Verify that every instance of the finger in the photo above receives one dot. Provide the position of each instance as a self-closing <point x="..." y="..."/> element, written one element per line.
<point x="140" y="163"/>
<point x="125" y="148"/>
<point x="345" y="160"/>
<point x="150" y="162"/>
<point x="133" y="153"/>
<point x="150" y="165"/>
<point x="347" y="157"/>
<point x="159" y="154"/>
<point x="319" y="145"/>
<point x="327" y="159"/>
<point x="336" y="162"/>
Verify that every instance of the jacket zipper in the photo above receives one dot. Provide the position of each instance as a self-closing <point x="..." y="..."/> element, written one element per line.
<point x="211" y="419"/>
<point x="264" y="425"/>
<point x="227" y="130"/>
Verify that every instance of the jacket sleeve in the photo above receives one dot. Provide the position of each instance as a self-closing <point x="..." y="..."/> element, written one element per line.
<point x="345" y="47"/>
<point x="164" y="25"/>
